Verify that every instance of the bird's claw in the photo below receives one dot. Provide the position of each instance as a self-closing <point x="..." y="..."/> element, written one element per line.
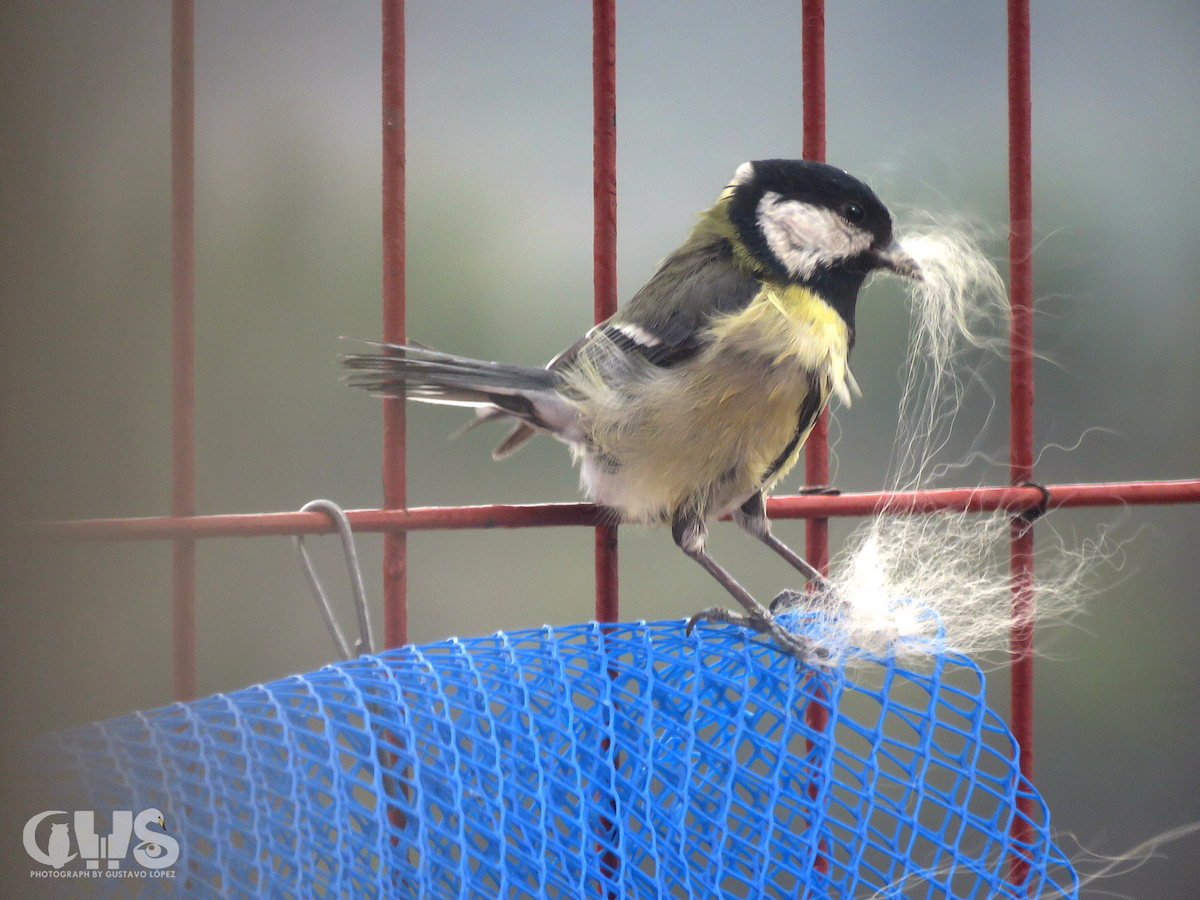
<point x="787" y="641"/>
<point x="717" y="615"/>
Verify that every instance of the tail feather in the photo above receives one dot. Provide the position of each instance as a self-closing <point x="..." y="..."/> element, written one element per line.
<point x="417" y="366"/>
<point x="496" y="389"/>
<point x="516" y="439"/>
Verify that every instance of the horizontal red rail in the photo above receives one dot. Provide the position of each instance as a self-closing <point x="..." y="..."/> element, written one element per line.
<point x="985" y="499"/>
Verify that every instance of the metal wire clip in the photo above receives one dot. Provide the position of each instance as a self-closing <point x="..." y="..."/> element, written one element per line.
<point x="364" y="644"/>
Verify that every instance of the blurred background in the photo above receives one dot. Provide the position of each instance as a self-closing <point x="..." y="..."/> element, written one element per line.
<point x="499" y="243"/>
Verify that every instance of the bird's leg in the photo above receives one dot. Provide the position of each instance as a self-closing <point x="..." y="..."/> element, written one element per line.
<point x="751" y="517"/>
<point x="691" y="535"/>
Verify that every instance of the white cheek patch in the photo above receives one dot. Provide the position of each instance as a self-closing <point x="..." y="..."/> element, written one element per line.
<point x="803" y="236"/>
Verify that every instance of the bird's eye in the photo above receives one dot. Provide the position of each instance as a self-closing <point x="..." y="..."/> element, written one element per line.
<point x="852" y="213"/>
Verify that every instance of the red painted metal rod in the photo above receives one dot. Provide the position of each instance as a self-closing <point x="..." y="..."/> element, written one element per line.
<point x="604" y="282"/>
<point x="986" y="499"/>
<point x="816" y="449"/>
<point x="1020" y="192"/>
<point x="604" y="246"/>
<point x="183" y="349"/>
<point x="975" y="500"/>
<point x="1020" y="177"/>
<point x="395" y="545"/>
<point x="812" y="81"/>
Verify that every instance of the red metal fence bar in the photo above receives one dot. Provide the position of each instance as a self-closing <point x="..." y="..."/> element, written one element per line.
<point x="395" y="497"/>
<point x="604" y="278"/>
<point x="812" y="79"/>
<point x="1020" y="191"/>
<point x="183" y="346"/>
<point x="816" y="448"/>
<point x="604" y="245"/>
<point x="429" y="518"/>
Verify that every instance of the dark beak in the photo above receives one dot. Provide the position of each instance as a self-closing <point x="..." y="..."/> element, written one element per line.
<point x="896" y="260"/>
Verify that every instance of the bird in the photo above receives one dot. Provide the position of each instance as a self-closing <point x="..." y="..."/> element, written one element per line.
<point x="695" y="398"/>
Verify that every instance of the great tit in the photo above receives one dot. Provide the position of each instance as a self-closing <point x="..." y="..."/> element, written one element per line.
<point x="695" y="398"/>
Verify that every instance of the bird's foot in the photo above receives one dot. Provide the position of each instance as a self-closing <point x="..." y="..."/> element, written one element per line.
<point x="787" y="641"/>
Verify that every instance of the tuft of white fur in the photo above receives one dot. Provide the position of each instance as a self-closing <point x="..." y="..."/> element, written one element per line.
<point x="913" y="585"/>
<point x="1102" y="866"/>
<point x="960" y="305"/>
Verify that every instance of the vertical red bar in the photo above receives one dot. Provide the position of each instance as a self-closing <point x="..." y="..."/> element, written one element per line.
<point x="604" y="256"/>
<point x="812" y="38"/>
<point x="395" y="544"/>
<point x="1020" y="187"/>
<point x="183" y="352"/>
<point x="604" y="194"/>
<point x="816" y="448"/>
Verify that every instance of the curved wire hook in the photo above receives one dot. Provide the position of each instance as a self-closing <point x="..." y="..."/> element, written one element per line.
<point x="365" y="643"/>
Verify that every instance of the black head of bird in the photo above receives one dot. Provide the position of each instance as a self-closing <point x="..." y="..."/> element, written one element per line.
<point x="799" y="218"/>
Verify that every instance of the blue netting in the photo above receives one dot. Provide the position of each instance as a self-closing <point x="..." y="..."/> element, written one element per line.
<point x="574" y="762"/>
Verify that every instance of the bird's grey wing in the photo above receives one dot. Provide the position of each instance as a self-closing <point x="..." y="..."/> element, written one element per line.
<point x="664" y="323"/>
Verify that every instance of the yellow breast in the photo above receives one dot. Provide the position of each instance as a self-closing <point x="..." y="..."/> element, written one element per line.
<point x="791" y="325"/>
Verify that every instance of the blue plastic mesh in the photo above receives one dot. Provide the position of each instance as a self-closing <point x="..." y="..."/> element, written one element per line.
<point x="579" y="762"/>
